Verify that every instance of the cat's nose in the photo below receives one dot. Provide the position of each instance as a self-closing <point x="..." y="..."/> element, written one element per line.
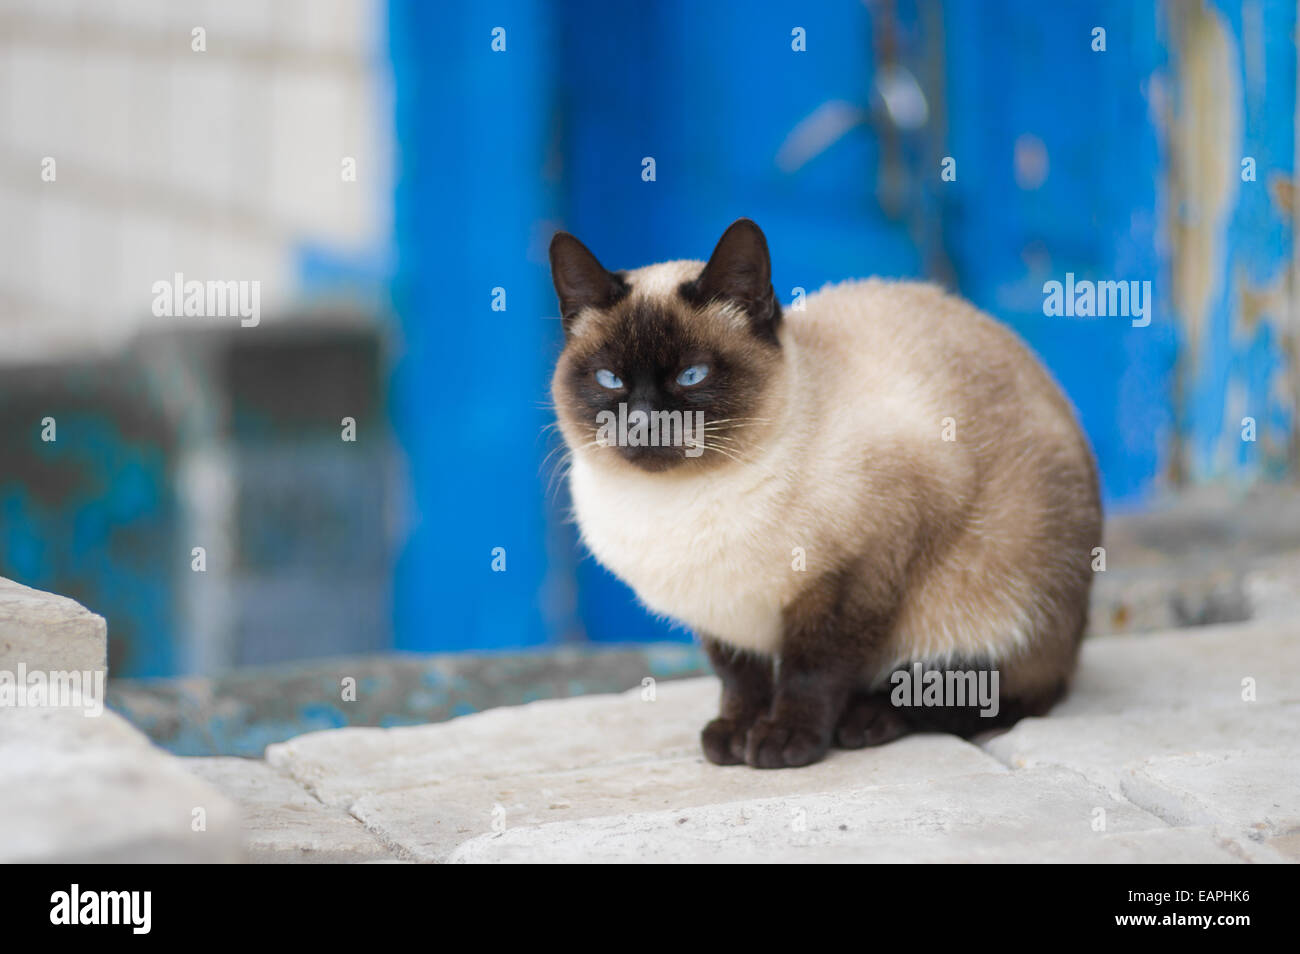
<point x="644" y="399"/>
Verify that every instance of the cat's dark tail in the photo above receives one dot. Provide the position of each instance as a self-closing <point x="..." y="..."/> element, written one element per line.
<point x="966" y="721"/>
<point x="871" y="718"/>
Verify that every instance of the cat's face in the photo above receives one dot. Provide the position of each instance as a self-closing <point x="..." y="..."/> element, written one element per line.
<point x="671" y="366"/>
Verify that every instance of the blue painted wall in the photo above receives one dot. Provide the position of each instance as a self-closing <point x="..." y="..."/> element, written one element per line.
<point x="1021" y="73"/>
<point x="1062" y="155"/>
<point x="1112" y="165"/>
<point x="1233" y="362"/>
<point x="91" y="514"/>
<point x="476" y="191"/>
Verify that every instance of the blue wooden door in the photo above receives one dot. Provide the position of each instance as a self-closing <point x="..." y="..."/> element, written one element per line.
<point x="831" y="124"/>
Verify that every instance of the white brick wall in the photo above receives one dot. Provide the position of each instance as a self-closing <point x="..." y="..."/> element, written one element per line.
<point x="218" y="164"/>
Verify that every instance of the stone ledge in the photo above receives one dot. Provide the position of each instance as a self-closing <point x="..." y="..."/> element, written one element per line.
<point x="1103" y="747"/>
<point x="50" y="633"/>
<point x="1194" y="668"/>
<point x="92" y="789"/>
<point x="339" y="766"/>
<point x="471" y="806"/>
<point x="620" y="778"/>
<point x="1255" y="790"/>
<point x="983" y="817"/>
<point x="280" y="822"/>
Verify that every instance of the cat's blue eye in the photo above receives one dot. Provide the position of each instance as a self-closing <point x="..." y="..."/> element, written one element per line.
<point x="608" y="379"/>
<point x="693" y="375"/>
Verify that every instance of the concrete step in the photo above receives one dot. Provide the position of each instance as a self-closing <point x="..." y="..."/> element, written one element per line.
<point x="1035" y="815"/>
<point x="77" y="782"/>
<point x="1205" y="666"/>
<point x="1158" y="755"/>
<point x="478" y="805"/>
<point x="77" y="788"/>
<point x="1176" y="746"/>
<point x="48" y="632"/>
<point x="279" y="822"/>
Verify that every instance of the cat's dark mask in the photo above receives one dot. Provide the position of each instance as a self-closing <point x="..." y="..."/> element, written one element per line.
<point x="694" y="349"/>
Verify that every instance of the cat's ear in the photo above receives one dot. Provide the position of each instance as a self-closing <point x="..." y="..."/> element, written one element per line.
<point x="740" y="270"/>
<point x="580" y="280"/>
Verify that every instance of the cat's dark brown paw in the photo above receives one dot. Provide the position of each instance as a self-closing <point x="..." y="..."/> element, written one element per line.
<point x="869" y="720"/>
<point x="723" y="741"/>
<point x="772" y="744"/>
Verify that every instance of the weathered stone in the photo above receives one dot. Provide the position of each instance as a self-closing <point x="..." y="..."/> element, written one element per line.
<point x="967" y="818"/>
<point x="1288" y="846"/>
<point x="429" y="821"/>
<point x="280" y="821"/>
<point x="1254" y="790"/>
<point x="1103" y="747"/>
<point x="92" y="789"/>
<point x="553" y="735"/>
<point x="1187" y="669"/>
<point x="612" y="777"/>
<point x="49" y="633"/>
<point x="1156" y="846"/>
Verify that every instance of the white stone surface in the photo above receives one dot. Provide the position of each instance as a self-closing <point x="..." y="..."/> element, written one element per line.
<point x="1102" y="748"/>
<point x="971" y="818"/>
<point x="1187" y="669"/>
<point x="49" y="633"/>
<point x="1255" y="790"/>
<point x="280" y="822"/>
<point x="1157" y="740"/>
<point x="430" y="820"/>
<point x="341" y="765"/>
<point x="93" y="789"/>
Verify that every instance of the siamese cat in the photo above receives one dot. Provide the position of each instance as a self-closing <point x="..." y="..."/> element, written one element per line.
<point x="884" y="479"/>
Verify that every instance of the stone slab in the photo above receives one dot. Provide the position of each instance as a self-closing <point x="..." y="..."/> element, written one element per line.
<point x="280" y="822"/>
<point x="429" y="821"/>
<point x="1254" y="790"/>
<point x="621" y="777"/>
<point x="342" y="765"/>
<point x="1103" y="747"/>
<point x="968" y="818"/>
<point x="1187" y="669"/>
<point x="48" y="632"/>
<point x="78" y="789"/>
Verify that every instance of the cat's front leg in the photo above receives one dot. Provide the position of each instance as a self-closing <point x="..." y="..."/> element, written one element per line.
<point x="810" y="694"/>
<point x="832" y="636"/>
<point x="746" y="696"/>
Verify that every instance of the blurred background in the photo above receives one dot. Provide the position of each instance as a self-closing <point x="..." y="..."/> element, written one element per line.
<point x="391" y="173"/>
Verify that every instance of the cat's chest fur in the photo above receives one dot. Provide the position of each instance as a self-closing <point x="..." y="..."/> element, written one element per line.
<point x="711" y="554"/>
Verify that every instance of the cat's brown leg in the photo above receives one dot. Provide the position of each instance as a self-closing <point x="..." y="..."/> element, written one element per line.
<point x="746" y="695"/>
<point x="832" y="636"/>
<point x="810" y="694"/>
<point x="869" y="719"/>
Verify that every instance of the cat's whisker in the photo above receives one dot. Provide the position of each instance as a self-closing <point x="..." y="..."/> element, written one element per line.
<point x="562" y="449"/>
<point x="726" y="452"/>
<point x="564" y="463"/>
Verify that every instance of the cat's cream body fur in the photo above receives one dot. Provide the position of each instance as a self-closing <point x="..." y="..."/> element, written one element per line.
<point x="851" y="467"/>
